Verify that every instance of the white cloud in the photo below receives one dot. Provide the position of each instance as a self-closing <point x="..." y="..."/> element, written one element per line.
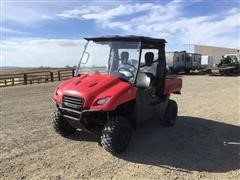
<point x="28" y="14"/>
<point x="19" y="13"/>
<point x="11" y="31"/>
<point x="41" y="52"/>
<point x="98" y="13"/>
<point x="166" y="21"/>
<point x="78" y="12"/>
<point x="213" y="32"/>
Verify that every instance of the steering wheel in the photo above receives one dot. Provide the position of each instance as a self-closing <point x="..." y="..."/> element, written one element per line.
<point x="131" y="65"/>
<point x="126" y="69"/>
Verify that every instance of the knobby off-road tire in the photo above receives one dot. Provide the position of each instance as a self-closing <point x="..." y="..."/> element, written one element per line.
<point x="116" y="134"/>
<point x="61" y="126"/>
<point x="170" y="116"/>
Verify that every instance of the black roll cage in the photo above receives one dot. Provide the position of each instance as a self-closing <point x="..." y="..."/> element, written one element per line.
<point x="145" y="43"/>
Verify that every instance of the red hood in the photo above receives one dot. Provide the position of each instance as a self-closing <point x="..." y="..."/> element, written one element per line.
<point x="96" y="86"/>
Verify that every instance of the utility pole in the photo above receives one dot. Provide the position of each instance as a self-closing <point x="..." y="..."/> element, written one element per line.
<point x="189" y="45"/>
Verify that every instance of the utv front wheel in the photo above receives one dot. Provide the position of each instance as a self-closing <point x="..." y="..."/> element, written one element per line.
<point x="60" y="124"/>
<point x="116" y="134"/>
<point x="171" y="113"/>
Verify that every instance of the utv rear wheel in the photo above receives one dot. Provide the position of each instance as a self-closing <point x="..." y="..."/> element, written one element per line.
<point x="60" y="124"/>
<point x="171" y="113"/>
<point x="116" y="134"/>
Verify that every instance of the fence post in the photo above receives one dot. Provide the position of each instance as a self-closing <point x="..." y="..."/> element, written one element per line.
<point x="51" y="76"/>
<point x="5" y="82"/>
<point x="25" y="79"/>
<point x="73" y="72"/>
<point x="59" y="76"/>
<point x="12" y="81"/>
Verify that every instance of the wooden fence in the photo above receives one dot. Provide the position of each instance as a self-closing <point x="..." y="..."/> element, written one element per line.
<point x="35" y="77"/>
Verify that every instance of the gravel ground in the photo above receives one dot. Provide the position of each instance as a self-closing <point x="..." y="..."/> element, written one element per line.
<point x="204" y="144"/>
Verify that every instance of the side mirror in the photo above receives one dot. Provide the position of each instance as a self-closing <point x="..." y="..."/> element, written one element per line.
<point x="143" y="80"/>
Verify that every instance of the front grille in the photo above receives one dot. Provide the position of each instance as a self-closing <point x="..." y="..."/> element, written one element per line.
<point x="75" y="103"/>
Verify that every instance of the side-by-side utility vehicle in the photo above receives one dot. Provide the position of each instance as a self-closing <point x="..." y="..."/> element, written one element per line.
<point x="119" y="82"/>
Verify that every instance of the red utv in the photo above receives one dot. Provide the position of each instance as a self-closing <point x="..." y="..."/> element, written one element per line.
<point x="120" y="82"/>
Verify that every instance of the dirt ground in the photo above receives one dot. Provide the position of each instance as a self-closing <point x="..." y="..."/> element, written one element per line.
<point x="204" y="144"/>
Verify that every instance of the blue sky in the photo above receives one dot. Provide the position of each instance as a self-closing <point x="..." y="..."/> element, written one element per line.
<point x="49" y="33"/>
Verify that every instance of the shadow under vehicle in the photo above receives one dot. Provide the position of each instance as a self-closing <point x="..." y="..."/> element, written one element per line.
<point x="195" y="144"/>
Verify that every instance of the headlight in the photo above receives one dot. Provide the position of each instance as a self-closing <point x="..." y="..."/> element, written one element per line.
<point x="103" y="101"/>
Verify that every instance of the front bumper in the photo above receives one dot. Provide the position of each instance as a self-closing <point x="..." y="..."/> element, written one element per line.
<point x="81" y="119"/>
<point x="78" y="119"/>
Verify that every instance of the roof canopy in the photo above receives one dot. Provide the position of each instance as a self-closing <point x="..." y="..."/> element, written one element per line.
<point x="143" y="39"/>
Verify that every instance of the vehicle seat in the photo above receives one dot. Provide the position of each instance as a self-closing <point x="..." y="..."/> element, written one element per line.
<point x="145" y="76"/>
<point x="124" y="57"/>
<point x="149" y="56"/>
<point x="149" y="67"/>
<point x="144" y="80"/>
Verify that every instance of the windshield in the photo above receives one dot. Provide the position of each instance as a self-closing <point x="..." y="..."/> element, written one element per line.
<point x="118" y="58"/>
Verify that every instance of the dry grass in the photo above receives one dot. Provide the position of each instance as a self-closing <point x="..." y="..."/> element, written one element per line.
<point x="34" y="75"/>
<point x="27" y="70"/>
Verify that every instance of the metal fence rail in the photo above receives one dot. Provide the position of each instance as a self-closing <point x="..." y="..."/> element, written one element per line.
<point x="35" y="77"/>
